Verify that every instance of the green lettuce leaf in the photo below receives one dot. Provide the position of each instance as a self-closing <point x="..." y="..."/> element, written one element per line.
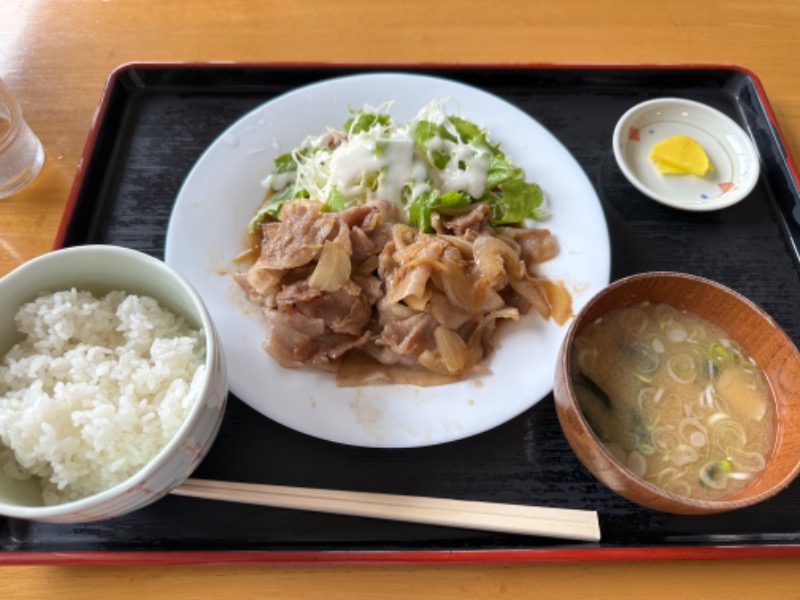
<point x="470" y="133"/>
<point x="510" y="198"/>
<point x="364" y="121"/>
<point x="500" y="171"/>
<point x="423" y="206"/>
<point x="516" y="200"/>
<point x="335" y="202"/>
<point x="285" y="163"/>
<point x="423" y="131"/>
<point x="272" y="205"/>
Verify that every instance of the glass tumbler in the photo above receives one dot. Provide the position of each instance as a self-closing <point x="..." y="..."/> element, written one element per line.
<point x="21" y="153"/>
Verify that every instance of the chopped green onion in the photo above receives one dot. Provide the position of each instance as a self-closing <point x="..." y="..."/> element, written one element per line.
<point x="682" y="368"/>
<point x="658" y="345"/>
<point x="714" y="474"/>
<point x="718" y="353"/>
<point x="646" y="448"/>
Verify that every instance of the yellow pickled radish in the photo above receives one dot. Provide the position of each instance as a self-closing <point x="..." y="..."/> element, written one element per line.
<point x="665" y="169"/>
<point x="680" y="154"/>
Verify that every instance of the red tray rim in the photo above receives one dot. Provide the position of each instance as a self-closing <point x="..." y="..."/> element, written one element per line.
<point x="366" y="557"/>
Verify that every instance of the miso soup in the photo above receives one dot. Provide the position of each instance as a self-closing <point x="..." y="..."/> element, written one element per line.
<point x="675" y="399"/>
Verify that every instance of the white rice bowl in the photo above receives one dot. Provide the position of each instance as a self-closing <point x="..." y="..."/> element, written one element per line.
<point x="96" y="389"/>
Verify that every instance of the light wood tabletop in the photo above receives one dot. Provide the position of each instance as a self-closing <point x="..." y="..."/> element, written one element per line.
<point x="56" y="55"/>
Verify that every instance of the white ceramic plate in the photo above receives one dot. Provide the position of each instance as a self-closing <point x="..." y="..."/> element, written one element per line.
<point x="223" y="190"/>
<point x="729" y="148"/>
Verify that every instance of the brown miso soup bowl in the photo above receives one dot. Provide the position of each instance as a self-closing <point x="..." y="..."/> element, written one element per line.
<point x="759" y="336"/>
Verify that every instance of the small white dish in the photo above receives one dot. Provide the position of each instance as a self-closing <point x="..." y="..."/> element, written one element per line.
<point x="730" y="149"/>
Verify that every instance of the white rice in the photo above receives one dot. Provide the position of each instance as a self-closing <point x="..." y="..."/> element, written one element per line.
<point x="94" y="391"/>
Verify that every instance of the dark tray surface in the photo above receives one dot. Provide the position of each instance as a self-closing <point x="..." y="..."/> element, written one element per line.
<point x="155" y="122"/>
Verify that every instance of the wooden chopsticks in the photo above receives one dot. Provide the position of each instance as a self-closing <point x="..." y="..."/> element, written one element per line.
<point x="486" y="516"/>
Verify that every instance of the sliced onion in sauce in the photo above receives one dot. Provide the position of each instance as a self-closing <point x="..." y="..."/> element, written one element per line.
<point x="332" y="271"/>
<point x="532" y="292"/>
<point x="432" y="361"/>
<point x="452" y="349"/>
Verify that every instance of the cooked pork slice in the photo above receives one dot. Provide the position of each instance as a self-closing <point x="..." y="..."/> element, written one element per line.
<point x="346" y="310"/>
<point x="300" y="237"/>
<point x="297" y="293"/>
<point x="392" y="311"/>
<point x="329" y="283"/>
<point x="371" y="286"/>
<point x="294" y="339"/>
<point x="536" y="245"/>
<point x="358" y="368"/>
<point x="404" y="335"/>
<point x="290" y="337"/>
<point x="363" y="247"/>
<point x="472" y="222"/>
<point x="409" y="337"/>
<point x="372" y="217"/>
<point x="249" y="291"/>
<point x="370" y="228"/>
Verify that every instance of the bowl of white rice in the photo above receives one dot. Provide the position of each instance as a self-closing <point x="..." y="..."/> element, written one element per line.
<point x="113" y="384"/>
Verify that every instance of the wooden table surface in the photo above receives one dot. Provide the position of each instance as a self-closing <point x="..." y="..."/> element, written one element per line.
<point x="57" y="54"/>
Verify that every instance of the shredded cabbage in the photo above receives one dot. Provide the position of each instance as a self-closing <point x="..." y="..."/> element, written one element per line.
<point x="436" y="162"/>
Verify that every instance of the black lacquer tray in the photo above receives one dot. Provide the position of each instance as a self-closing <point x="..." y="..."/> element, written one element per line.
<point x="154" y="122"/>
